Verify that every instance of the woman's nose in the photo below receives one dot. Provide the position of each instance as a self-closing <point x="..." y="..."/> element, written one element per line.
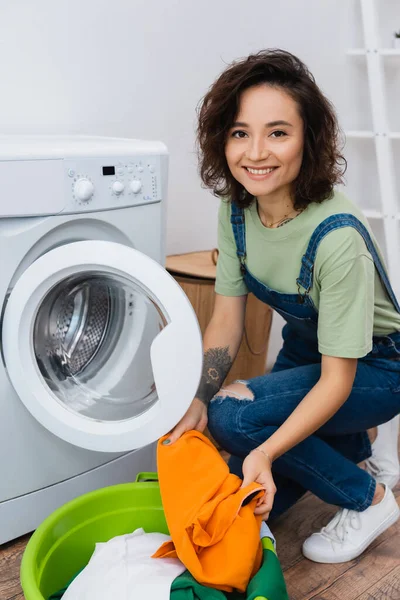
<point x="257" y="149"/>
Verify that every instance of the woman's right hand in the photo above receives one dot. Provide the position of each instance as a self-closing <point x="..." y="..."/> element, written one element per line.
<point x="194" y="418"/>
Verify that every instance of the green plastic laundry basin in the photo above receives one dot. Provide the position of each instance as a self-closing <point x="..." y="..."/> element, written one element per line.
<point x="63" y="544"/>
<point x="65" y="541"/>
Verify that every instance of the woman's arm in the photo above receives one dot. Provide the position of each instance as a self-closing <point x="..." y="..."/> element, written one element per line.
<point x="221" y="343"/>
<point x="317" y="407"/>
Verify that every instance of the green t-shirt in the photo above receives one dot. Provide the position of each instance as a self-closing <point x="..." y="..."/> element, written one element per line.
<point x="347" y="291"/>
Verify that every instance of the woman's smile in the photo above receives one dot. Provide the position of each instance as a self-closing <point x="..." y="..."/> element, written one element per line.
<point x="259" y="174"/>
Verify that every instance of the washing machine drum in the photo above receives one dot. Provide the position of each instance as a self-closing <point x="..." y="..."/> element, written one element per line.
<point x="92" y="340"/>
<point x="71" y="325"/>
<point x="108" y="353"/>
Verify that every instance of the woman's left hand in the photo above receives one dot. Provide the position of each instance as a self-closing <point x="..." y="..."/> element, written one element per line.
<point x="257" y="468"/>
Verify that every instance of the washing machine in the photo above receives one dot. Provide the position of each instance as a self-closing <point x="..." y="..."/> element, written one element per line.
<point x="101" y="349"/>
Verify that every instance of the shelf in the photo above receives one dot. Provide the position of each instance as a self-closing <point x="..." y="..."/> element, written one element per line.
<point x="372" y="214"/>
<point x="375" y="176"/>
<point x="380" y="51"/>
<point x="394" y="135"/>
<point x="356" y="52"/>
<point x="359" y="134"/>
<point x="389" y="51"/>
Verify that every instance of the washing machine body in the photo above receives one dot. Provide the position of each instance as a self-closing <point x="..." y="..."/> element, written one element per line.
<point x="101" y="350"/>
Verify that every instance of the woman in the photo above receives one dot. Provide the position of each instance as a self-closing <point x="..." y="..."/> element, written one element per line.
<point x="269" y="149"/>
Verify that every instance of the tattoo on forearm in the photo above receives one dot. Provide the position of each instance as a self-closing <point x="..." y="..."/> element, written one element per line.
<point x="217" y="363"/>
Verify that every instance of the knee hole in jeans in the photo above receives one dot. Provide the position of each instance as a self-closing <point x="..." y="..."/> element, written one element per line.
<point x="238" y="390"/>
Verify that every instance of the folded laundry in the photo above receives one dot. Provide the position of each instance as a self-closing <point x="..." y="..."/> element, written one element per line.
<point x="213" y="533"/>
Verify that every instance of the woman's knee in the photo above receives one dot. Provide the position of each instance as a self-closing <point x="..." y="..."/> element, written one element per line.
<point x="223" y="411"/>
<point x="238" y="389"/>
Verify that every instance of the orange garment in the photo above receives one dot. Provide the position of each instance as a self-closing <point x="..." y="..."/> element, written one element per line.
<point x="216" y="538"/>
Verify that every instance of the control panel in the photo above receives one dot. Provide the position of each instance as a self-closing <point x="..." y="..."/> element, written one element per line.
<point x="102" y="184"/>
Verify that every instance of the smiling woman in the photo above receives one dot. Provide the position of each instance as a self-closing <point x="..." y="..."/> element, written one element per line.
<point x="270" y="96"/>
<point x="266" y="157"/>
<point x="269" y="148"/>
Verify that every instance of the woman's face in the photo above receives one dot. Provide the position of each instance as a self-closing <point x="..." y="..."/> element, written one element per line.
<point x="264" y="149"/>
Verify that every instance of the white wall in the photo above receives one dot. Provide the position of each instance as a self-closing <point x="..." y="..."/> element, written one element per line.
<point x="137" y="68"/>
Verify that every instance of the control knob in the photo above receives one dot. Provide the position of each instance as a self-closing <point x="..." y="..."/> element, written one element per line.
<point x="84" y="190"/>
<point x="135" y="186"/>
<point x="118" y="187"/>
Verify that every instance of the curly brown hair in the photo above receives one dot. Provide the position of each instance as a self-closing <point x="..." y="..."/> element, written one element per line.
<point x="323" y="165"/>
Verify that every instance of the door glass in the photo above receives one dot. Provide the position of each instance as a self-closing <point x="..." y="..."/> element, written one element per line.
<point x="92" y="339"/>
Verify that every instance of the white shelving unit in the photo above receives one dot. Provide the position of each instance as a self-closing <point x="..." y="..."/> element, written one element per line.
<point x="389" y="209"/>
<point x="381" y="51"/>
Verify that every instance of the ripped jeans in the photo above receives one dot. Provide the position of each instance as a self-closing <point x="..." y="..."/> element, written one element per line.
<point x="326" y="462"/>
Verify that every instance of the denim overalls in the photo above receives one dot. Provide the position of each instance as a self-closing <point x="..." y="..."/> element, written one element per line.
<point x="324" y="463"/>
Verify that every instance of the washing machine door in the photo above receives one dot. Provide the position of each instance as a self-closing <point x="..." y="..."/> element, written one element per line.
<point x="102" y="346"/>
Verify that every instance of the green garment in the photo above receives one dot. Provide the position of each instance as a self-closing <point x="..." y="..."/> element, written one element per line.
<point x="58" y="595"/>
<point x="267" y="584"/>
<point x="185" y="587"/>
<point x="347" y="291"/>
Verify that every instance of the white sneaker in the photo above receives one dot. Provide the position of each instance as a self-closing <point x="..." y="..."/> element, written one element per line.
<point x="350" y="532"/>
<point x="384" y="463"/>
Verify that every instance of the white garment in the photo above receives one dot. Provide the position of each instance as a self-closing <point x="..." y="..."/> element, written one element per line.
<point x="122" y="569"/>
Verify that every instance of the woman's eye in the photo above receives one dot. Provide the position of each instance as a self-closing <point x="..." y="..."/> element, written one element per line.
<point x="278" y="133"/>
<point x="239" y="134"/>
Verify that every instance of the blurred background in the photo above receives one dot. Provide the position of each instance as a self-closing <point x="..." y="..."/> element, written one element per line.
<point x="138" y="68"/>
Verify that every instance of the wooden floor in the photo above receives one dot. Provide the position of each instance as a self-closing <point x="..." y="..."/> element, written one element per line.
<point x="373" y="576"/>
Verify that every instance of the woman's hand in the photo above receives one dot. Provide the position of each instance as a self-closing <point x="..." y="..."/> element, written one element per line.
<point x="257" y="468"/>
<point x="194" y="418"/>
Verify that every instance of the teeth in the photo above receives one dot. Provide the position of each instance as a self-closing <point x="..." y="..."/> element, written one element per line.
<point x="260" y="171"/>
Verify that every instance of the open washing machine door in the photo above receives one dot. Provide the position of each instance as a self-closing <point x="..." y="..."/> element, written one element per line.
<point x="102" y="346"/>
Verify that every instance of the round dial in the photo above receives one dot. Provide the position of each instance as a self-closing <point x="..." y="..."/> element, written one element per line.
<point x="84" y="189"/>
<point x="135" y="186"/>
<point x="118" y="187"/>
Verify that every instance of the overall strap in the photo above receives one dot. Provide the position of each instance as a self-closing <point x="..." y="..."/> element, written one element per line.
<point x="239" y="231"/>
<point x="330" y="224"/>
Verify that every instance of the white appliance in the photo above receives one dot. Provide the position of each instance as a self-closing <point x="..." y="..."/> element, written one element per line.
<point x="101" y="349"/>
